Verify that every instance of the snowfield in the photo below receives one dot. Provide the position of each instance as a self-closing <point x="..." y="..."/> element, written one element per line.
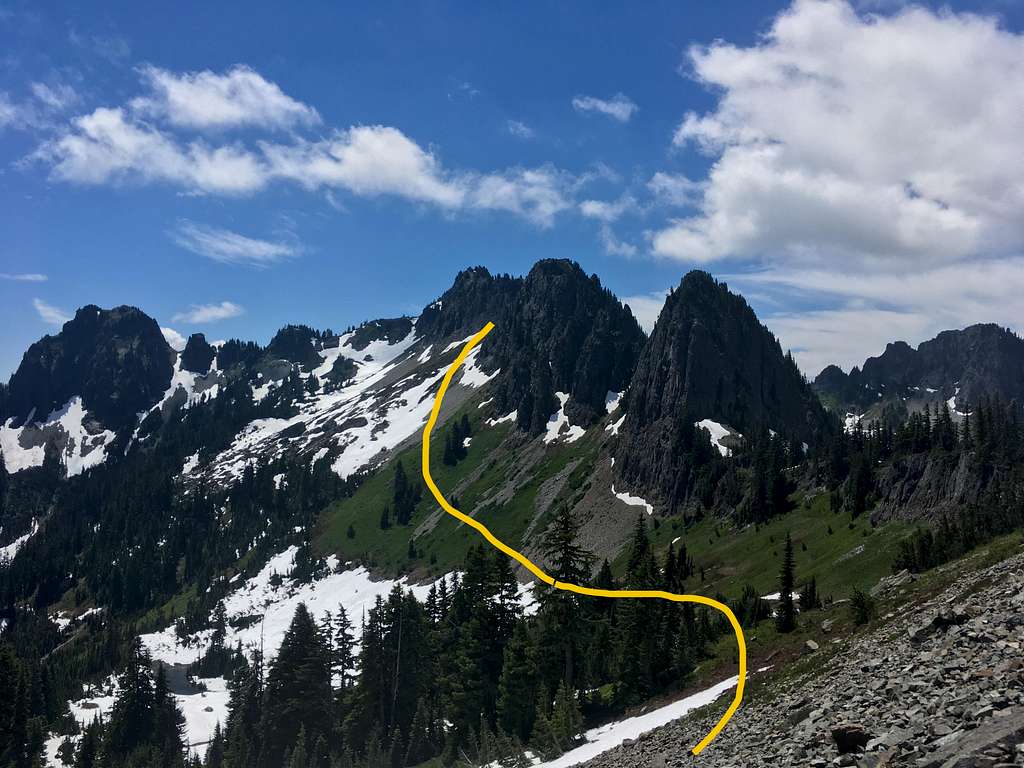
<point x="82" y="448"/>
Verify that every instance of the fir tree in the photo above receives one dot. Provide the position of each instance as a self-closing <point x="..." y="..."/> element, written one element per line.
<point x="785" y="617"/>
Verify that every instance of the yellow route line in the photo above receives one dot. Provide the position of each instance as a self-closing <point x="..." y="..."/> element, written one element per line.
<point x="541" y="575"/>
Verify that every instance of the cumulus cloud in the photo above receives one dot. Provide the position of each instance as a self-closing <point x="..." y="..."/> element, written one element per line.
<point x="886" y="140"/>
<point x="24" y="277"/>
<point x="537" y="194"/>
<point x="675" y="190"/>
<point x="49" y="313"/>
<point x="108" y="145"/>
<point x="143" y="142"/>
<point x="620" y="107"/>
<point x="608" y="211"/>
<point x="367" y="160"/>
<point x="207" y="100"/>
<point x="209" y="313"/>
<point x="229" y="247"/>
<point x="174" y="339"/>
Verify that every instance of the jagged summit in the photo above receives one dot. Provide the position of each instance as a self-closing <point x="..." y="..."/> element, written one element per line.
<point x="961" y="366"/>
<point x="116" y="360"/>
<point x="708" y="358"/>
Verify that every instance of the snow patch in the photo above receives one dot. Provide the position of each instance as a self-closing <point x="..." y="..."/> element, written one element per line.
<point x="633" y="501"/>
<point x="558" y="425"/>
<point x="718" y="432"/>
<point x="612" y="400"/>
<point x="502" y="419"/>
<point x="8" y="551"/>
<point x="611" y="735"/>
<point x="614" y="427"/>
<point x="472" y="374"/>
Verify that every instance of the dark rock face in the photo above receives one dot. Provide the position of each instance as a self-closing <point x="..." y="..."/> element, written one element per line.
<point x="197" y="355"/>
<point x="117" y="360"/>
<point x="563" y="332"/>
<point x="391" y="330"/>
<point x="978" y="361"/>
<point x="709" y="357"/>
<point x="474" y="299"/>
<point x="557" y="330"/>
<point x="296" y="344"/>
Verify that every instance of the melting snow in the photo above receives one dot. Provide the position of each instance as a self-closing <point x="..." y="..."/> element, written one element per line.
<point x="472" y="375"/>
<point x="606" y="737"/>
<point x="614" y="428"/>
<point x="851" y="420"/>
<point x="559" y="426"/>
<point x="8" y="551"/>
<point x="502" y="419"/>
<point x="612" y="400"/>
<point x="718" y="432"/>
<point x="633" y="501"/>
<point x="82" y="450"/>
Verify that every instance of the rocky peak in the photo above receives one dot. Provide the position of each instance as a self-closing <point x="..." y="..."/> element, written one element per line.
<point x="117" y="360"/>
<point x="565" y="333"/>
<point x="474" y="299"/>
<point x="198" y="354"/>
<point x="708" y="357"/>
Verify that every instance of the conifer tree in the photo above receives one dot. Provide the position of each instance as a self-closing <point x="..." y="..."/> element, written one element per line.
<point x="785" y="616"/>
<point x="518" y="684"/>
<point x="343" y="659"/>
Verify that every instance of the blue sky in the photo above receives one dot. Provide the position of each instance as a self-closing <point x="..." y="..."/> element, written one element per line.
<point x="853" y="169"/>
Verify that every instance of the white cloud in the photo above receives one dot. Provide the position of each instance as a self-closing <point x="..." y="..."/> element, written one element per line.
<point x="675" y="189"/>
<point x="209" y="313"/>
<point x="49" y="313"/>
<point x="207" y="100"/>
<point x="606" y="211"/>
<point x="620" y="107"/>
<point x="108" y="146"/>
<point x="24" y="277"/>
<point x="57" y="97"/>
<point x="520" y="130"/>
<point x="612" y="245"/>
<point x="646" y="307"/>
<point x="142" y="143"/>
<point x="174" y="339"/>
<point x="368" y="160"/>
<point x="888" y="141"/>
<point x="537" y="194"/>
<point x="229" y="247"/>
<point x="863" y="311"/>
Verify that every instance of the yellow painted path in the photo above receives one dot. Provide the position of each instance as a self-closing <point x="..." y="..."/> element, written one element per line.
<point x="542" y="576"/>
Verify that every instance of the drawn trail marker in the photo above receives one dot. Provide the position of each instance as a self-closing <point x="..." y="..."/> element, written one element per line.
<point x="542" y="576"/>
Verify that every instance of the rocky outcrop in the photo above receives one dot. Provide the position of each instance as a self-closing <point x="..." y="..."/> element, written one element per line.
<point x="708" y="357"/>
<point x="557" y="330"/>
<point x="116" y="360"/>
<point x="296" y="344"/>
<point x="198" y="354"/>
<point x="978" y="361"/>
<point x="938" y="686"/>
<point x="390" y="330"/>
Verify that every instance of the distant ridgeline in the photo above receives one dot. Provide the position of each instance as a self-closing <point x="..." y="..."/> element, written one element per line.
<point x="141" y="489"/>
